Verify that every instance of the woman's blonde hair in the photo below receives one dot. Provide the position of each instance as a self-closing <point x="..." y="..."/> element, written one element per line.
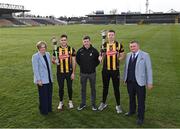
<point x="40" y="43"/>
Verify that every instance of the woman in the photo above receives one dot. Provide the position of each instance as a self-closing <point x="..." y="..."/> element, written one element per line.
<point x="43" y="77"/>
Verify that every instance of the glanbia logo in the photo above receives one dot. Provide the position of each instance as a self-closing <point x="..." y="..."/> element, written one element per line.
<point x="111" y="53"/>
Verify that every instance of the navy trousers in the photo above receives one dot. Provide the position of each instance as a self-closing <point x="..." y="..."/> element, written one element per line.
<point x="133" y="90"/>
<point x="45" y="98"/>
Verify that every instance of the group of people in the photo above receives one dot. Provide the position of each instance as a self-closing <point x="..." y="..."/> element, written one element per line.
<point x="137" y="73"/>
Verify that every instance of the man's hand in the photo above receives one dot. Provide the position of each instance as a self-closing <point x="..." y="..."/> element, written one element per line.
<point x="149" y="86"/>
<point x="100" y="59"/>
<point x="55" y="61"/>
<point x="39" y="83"/>
<point x="121" y="56"/>
<point x="72" y="76"/>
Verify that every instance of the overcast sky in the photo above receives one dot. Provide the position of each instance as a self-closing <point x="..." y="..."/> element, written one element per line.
<point x="83" y="7"/>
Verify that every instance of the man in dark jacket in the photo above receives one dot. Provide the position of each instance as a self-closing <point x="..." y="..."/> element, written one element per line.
<point x="87" y="59"/>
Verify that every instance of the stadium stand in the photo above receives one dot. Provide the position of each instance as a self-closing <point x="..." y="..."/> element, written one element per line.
<point x="7" y="17"/>
<point x="135" y="18"/>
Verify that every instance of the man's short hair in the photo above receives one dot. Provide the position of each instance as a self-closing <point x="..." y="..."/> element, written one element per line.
<point x="40" y="43"/>
<point x="64" y="36"/>
<point x="134" y="41"/>
<point x="86" y="37"/>
<point x="111" y="31"/>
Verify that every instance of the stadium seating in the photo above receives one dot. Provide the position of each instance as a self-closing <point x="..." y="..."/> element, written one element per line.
<point x="29" y="21"/>
<point x="19" y="21"/>
<point x="43" y="21"/>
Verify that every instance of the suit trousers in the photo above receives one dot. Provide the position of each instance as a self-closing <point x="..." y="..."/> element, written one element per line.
<point x="45" y="98"/>
<point x="140" y="91"/>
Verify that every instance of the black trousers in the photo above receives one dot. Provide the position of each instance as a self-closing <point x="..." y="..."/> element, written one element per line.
<point x="61" y="77"/>
<point x="133" y="90"/>
<point x="106" y="75"/>
<point x="45" y="98"/>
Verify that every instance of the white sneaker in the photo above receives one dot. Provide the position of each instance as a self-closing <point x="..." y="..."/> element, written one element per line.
<point x="102" y="106"/>
<point x="60" y="106"/>
<point x="70" y="104"/>
<point x="118" y="109"/>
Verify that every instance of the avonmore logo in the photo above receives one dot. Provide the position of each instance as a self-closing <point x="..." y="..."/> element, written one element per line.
<point x="111" y="53"/>
<point x="63" y="57"/>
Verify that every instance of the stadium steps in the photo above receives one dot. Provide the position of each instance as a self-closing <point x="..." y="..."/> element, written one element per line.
<point x="4" y="22"/>
<point x="15" y="21"/>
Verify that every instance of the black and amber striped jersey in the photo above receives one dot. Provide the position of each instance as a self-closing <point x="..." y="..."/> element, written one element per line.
<point x="65" y="59"/>
<point x="111" y="55"/>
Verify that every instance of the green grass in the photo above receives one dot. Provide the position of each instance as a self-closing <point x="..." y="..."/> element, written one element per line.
<point x="19" y="97"/>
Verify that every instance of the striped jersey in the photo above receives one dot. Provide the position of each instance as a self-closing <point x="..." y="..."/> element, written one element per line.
<point x="111" y="55"/>
<point x="65" y="59"/>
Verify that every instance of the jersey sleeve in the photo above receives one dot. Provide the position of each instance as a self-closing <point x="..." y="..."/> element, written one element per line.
<point x="73" y="52"/>
<point x="121" y="48"/>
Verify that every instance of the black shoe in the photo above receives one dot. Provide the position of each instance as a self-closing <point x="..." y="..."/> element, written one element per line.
<point x="81" y="107"/>
<point x="94" y="108"/>
<point x="129" y="113"/>
<point x="140" y="122"/>
<point x="44" y="114"/>
<point x="49" y="110"/>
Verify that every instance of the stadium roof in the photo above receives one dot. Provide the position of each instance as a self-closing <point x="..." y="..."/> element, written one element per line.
<point x="132" y="14"/>
<point x="9" y="11"/>
<point x="10" y="8"/>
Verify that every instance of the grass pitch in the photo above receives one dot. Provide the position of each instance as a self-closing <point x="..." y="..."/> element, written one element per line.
<point x="19" y="96"/>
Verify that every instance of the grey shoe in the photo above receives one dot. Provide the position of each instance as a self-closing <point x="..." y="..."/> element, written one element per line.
<point x="118" y="109"/>
<point x="102" y="106"/>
